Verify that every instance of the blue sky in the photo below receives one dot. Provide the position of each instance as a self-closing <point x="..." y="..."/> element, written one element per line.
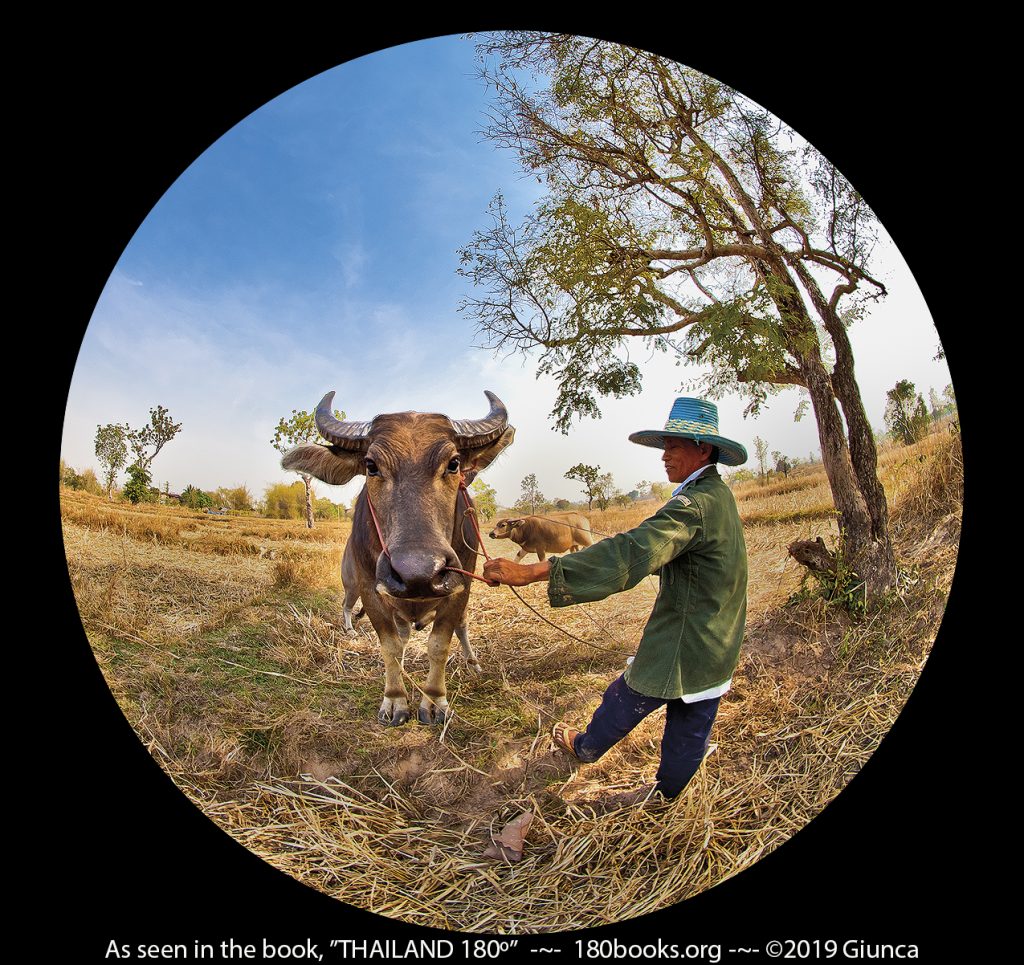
<point x="314" y="247"/>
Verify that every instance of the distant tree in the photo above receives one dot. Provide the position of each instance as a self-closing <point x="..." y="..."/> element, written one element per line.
<point x="906" y="416"/>
<point x="782" y="463"/>
<point x="643" y="488"/>
<point x="295" y="431"/>
<point x="588" y="476"/>
<point x="531" y="497"/>
<point x="562" y="504"/>
<point x="485" y="499"/>
<point x="289" y="433"/>
<point x="112" y="452"/>
<point x="604" y="488"/>
<point x="761" y="448"/>
<point x="620" y="498"/>
<point x="137" y="488"/>
<point x="195" y="498"/>
<point x="160" y="430"/>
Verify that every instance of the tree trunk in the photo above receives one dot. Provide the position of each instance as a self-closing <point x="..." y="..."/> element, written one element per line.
<point x="308" y="482"/>
<point x="873" y="555"/>
<point x="869" y="557"/>
<point x="864" y="555"/>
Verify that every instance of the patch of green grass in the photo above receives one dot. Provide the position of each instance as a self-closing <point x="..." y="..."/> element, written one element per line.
<point x="324" y="603"/>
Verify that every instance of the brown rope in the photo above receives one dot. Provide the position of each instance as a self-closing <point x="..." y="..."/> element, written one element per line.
<point x="589" y="643"/>
<point x="470" y="511"/>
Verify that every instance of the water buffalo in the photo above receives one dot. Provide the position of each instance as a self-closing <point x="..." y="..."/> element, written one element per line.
<point x="554" y="533"/>
<point x="414" y="463"/>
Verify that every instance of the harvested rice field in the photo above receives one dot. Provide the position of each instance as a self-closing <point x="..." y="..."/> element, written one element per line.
<point x="221" y="640"/>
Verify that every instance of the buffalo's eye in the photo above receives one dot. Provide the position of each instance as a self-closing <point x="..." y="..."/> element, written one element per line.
<point x="453" y="465"/>
<point x="371" y="468"/>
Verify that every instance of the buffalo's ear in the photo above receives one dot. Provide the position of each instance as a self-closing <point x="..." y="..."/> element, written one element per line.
<point x="329" y="464"/>
<point x="476" y="460"/>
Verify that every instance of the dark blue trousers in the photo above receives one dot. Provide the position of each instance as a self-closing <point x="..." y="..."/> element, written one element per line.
<point x="683" y="745"/>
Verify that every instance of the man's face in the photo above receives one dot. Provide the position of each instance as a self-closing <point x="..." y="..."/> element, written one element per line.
<point x="684" y="456"/>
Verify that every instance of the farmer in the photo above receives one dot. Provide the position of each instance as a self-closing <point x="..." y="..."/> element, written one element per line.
<point x="690" y="646"/>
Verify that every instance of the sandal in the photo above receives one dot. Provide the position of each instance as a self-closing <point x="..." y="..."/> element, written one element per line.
<point x="564" y="736"/>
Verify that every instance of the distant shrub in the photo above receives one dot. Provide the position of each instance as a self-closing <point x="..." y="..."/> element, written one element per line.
<point x="137" y="489"/>
<point x="323" y="508"/>
<point x="282" y="501"/>
<point x="84" y="481"/>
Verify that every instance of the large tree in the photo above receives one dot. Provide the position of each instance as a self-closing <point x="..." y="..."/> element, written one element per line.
<point x="681" y="215"/>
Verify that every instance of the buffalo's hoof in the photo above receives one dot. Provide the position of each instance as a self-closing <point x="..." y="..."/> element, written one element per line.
<point x="432" y="714"/>
<point x="393" y="720"/>
<point x="393" y="713"/>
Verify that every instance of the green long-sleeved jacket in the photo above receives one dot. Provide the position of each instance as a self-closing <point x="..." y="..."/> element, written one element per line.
<point x="691" y="643"/>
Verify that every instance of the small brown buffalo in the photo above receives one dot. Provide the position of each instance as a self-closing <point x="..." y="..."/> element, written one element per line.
<point x="554" y="533"/>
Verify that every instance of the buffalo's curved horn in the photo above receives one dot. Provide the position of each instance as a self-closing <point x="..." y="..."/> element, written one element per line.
<point x="473" y="433"/>
<point x="347" y="435"/>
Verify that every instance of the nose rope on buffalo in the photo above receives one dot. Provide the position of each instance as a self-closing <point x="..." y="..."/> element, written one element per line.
<point x="471" y="513"/>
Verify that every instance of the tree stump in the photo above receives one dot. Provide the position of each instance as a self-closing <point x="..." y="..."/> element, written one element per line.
<point x="813" y="554"/>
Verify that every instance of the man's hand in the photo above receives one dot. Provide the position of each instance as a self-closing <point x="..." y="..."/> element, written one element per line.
<point x="500" y="571"/>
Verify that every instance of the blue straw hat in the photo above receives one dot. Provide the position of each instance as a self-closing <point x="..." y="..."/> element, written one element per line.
<point x="694" y="419"/>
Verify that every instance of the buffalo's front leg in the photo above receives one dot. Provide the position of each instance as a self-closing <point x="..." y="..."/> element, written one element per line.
<point x="394" y="709"/>
<point x="434" y="705"/>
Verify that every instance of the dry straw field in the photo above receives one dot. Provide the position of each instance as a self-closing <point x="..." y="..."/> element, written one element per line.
<point x="220" y="638"/>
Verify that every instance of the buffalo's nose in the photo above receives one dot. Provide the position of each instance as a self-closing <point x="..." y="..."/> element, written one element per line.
<point x="416" y="573"/>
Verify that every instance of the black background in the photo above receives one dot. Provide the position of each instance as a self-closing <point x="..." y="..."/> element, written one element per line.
<point x="119" y="852"/>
